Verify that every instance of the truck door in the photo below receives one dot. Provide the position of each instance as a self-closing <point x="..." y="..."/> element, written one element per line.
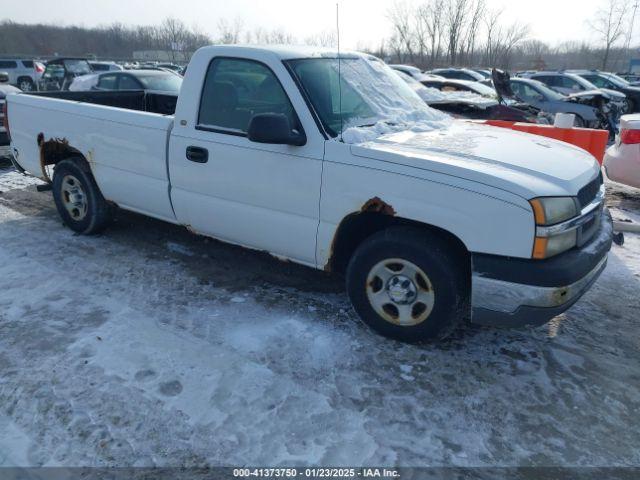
<point x="264" y="196"/>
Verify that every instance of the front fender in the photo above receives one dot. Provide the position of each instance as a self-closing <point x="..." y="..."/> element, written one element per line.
<point x="484" y="224"/>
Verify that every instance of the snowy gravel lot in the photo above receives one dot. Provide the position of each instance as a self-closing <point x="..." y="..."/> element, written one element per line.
<point x="149" y="346"/>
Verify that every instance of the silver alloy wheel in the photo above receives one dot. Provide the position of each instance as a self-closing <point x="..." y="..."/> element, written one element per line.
<point x="74" y="198"/>
<point x="25" y="86"/>
<point x="400" y="292"/>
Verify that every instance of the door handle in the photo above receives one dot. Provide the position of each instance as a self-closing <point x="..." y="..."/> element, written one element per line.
<point x="198" y="154"/>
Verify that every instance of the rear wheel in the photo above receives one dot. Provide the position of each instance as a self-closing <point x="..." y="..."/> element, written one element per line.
<point x="408" y="284"/>
<point x="78" y="198"/>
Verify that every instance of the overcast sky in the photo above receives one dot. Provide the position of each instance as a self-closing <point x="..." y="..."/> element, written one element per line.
<point x="363" y="22"/>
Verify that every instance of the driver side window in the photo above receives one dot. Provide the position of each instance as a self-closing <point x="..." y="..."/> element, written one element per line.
<point x="235" y="90"/>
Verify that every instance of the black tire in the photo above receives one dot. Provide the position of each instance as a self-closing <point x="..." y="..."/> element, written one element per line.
<point x="448" y="274"/>
<point x="95" y="213"/>
<point x="631" y="105"/>
<point x="26" y="84"/>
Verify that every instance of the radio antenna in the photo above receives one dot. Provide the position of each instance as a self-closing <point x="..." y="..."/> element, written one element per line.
<point x="339" y="69"/>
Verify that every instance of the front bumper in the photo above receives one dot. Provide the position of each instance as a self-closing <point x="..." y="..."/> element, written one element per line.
<point x="514" y="292"/>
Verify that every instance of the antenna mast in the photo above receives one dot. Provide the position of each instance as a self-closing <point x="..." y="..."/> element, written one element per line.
<point x="339" y="70"/>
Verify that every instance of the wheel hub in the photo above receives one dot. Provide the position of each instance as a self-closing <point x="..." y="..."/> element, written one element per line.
<point x="73" y="197"/>
<point x="401" y="290"/>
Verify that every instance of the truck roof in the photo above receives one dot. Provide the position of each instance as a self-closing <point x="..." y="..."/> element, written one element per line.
<point x="286" y="52"/>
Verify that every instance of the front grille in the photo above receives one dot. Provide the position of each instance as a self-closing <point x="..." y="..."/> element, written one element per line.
<point x="589" y="191"/>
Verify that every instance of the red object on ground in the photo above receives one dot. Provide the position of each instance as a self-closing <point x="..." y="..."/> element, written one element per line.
<point x="591" y="140"/>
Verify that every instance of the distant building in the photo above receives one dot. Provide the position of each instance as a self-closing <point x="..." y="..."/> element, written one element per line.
<point x="634" y="65"/>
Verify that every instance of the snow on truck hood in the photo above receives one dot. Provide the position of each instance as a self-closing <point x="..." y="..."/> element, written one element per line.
<point x="524" y="164"/>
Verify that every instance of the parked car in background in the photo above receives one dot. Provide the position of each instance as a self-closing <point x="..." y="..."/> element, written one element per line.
<point x="540" y="96"/>
<point x="415" y="73"/>
<point x="105" y="66"/>
<point x="622" y="160"/>
<point x="154" y="80"/>
<point x="632" y="78"/>
<point x="485" y="72"/>
<point x="4" y="78"/>
<point x="5" y="149"/>
<point x="24" y="73"/>
<point x="611" y="81"/>
<point x="60" y="73"/>
<point x="452" y="85"/>
<point x="171" y="66"/>
<point x="465" y="104"/>
<point x="570" y="83"/>
<point x="458" y="74"/>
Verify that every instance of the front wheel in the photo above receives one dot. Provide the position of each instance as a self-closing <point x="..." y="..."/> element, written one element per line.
<point x="409" y="284"/>
<point x="78" y="198"/>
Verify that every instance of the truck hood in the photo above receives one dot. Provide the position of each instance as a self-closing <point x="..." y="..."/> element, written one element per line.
<point x="523" y="164"/>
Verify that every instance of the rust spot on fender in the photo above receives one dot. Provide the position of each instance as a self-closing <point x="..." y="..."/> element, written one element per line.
<point x="377" y="205"/>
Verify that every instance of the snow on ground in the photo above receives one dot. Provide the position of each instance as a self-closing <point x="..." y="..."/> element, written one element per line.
<point x="149" y="346"/>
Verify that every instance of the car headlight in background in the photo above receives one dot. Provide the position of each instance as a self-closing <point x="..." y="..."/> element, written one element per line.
<point x="551" y="211"/>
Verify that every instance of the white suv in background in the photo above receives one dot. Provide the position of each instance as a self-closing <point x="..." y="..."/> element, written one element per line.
<point x="23" y="72"/>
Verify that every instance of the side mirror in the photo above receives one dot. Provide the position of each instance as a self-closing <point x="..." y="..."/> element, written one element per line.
<point x="274" y="128"/>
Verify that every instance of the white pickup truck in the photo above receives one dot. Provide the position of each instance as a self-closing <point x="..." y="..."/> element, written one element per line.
<point x="334" y="163"/>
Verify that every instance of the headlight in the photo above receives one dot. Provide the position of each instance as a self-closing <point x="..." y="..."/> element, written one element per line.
<point x="551" y="211"/>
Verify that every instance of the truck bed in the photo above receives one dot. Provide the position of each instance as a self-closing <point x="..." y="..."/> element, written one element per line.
<point x="122" y="135"/>
<point x="140" y="100"/>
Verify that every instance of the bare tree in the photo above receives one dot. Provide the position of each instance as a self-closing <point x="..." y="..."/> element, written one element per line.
<point x="174" y="35"/>
<point x="430" y="19"/>
<point x="230" y="32"/>
<point x="477" y="13"/>
<point x="401" y="16"/>
<point x="326" y="38"/>
<point x="609" y="24"/>
<point x="456" y="16"/>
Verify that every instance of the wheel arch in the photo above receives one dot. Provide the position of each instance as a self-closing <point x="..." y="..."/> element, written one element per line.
<point x="55" y="150"/>
<point x="356" y="227"/>
<point x="25" y="77"/>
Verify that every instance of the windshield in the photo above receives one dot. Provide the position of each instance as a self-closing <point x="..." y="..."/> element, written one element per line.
<point x="582" y="81"/>
<point x="369" y="94"/>
<point x="164" y="83"/>
<point x="78" y="67"/>
<point x="546" y="91"/>
<point x="615" y="79"/>
<point x="483" y="89"/>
